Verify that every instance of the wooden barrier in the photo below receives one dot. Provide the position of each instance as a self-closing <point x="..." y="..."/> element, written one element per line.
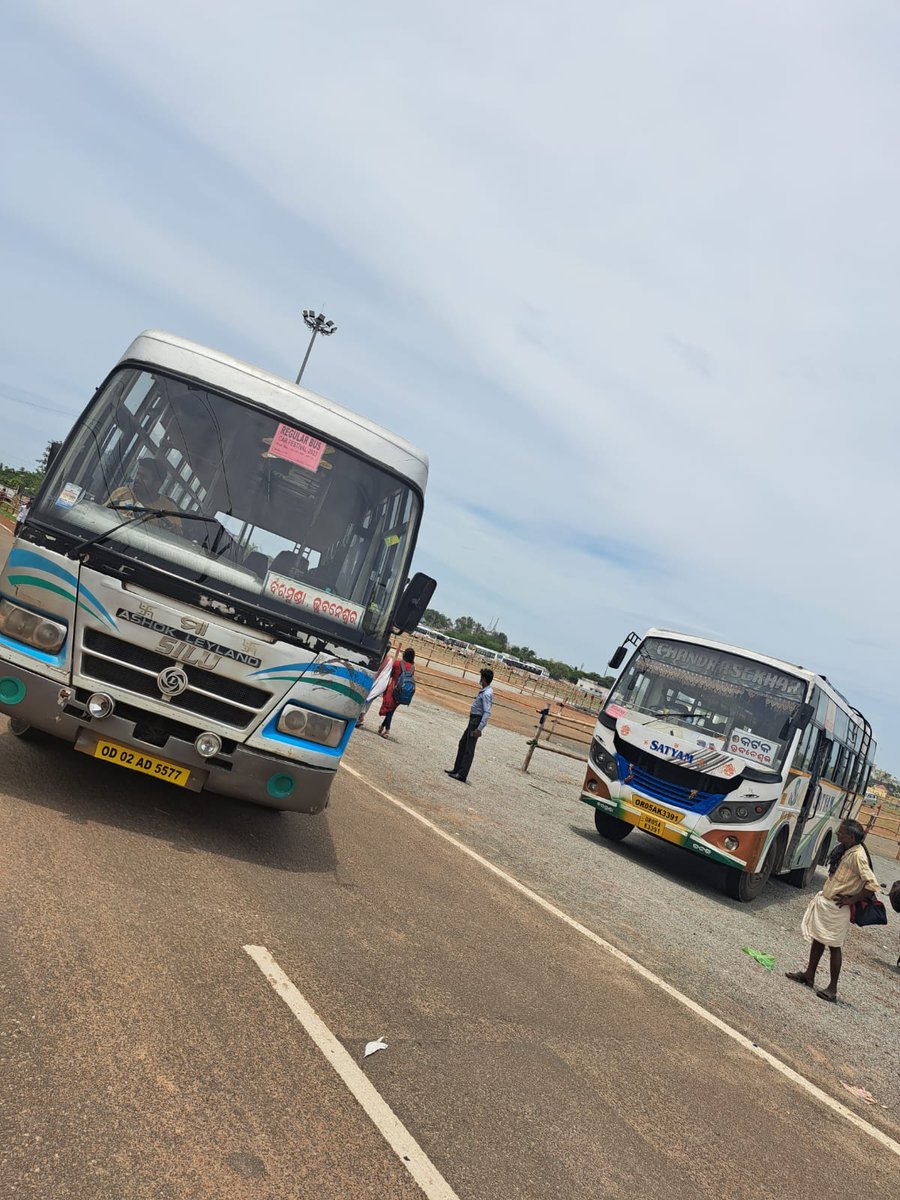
<point x="461" y="688"/>
<point x="567" y="728"/>
<point x="881" y="823"/>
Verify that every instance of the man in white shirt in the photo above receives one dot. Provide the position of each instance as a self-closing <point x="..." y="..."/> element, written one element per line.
<point x="479" y="714"/>
<point x="22" y="514"/>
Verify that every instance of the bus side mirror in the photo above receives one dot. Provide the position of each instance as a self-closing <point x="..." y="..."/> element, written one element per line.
<point x="53" y="449"/>
<point x="413" y="603"/>
<point x="618" y="658"/>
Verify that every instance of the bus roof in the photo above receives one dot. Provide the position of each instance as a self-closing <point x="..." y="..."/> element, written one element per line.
<point x="778" y="663"/>
<point x="224" y="373"/>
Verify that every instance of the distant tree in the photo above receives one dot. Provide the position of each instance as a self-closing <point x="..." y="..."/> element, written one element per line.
<point x="559" y="670"/>
<point x="603" y="680"/>
<point x="465" y="627"/>
<point x="523" y="653"/>
<point x="490" y="639"/>
<point x="21" y="479"/>
<point x="50" y="452"/>
<point x="437" y="620"/>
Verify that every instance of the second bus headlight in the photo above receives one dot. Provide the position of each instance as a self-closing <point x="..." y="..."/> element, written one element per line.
<point x="603" y="760"/>
<point x="25" y="626"/>
<point x="311" y="726"/>
<point x="740" y="812"/>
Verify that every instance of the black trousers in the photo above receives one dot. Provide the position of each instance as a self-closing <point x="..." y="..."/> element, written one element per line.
<point x="465" y="751"/>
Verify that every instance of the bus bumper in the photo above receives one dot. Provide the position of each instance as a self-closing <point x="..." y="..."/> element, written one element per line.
<point x="244" y="774"/>
<point x="659" y="827"/>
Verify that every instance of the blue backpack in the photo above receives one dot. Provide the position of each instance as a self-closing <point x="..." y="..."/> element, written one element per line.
<point x="405" y="687"/>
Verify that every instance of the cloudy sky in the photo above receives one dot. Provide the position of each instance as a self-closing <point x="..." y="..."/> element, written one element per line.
<point x="628" y="272"/>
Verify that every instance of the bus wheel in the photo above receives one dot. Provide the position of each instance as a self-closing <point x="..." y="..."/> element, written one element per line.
<point x="802" y="877"/>
<point x="744" y="885"/>
<point x="611" y="828"/>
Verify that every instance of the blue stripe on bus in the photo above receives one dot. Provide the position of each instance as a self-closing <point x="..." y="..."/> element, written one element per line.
<point x="27" y="558"/>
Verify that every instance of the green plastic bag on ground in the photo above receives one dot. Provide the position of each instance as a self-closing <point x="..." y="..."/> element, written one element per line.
<point x="767" y="960"/>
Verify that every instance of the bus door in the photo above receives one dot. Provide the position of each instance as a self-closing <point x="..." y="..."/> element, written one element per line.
<point x="820" y="758"/>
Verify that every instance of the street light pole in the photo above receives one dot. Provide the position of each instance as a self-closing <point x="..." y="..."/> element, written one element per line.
<point x="318" y="324"/>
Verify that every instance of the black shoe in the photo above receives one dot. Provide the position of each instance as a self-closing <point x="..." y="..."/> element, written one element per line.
<point x="452" y="774"/>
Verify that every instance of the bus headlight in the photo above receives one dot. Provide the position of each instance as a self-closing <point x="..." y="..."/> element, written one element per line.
<point x="603" y="760"/>
<point x="738" y="812"/>
<point x="31" y="628"/>
<point x="311" y="726"/>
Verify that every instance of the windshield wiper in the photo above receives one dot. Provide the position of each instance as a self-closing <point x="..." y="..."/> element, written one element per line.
<point x="139" y="514"/>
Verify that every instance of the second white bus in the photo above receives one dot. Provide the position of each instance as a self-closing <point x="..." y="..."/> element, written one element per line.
<point x="738" y="757"/>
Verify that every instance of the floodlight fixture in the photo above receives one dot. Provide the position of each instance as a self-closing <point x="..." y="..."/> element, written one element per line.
<point x="319" y="324"/>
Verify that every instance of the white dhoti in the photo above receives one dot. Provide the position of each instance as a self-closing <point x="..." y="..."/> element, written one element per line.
<point x="825" y="922"/>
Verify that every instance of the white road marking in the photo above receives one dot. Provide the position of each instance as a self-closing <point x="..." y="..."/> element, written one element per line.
<point x="388" y="1124"/>
<point x="742" y="1040"/>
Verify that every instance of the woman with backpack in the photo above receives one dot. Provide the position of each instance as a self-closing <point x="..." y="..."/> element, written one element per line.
<point x="378" y="688"/>
<point x="400" y="690"/>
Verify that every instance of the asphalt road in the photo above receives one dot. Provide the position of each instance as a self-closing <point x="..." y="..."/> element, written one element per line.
<point x="143" y="1053"/>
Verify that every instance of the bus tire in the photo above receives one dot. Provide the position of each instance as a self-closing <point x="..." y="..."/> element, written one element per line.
<point x="611" y="828"/>
<point x="745" y="885"/>
<point x="802" y="877"/>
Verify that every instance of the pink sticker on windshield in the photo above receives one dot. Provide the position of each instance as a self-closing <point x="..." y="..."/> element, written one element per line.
<point x="297" y="447"/>
<point x="615" y="710"/>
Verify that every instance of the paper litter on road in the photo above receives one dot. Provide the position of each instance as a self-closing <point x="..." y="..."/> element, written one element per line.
<point x="374" y="1047"/>
<point x="861" y="1092"/>
<point x="766" y="960"/>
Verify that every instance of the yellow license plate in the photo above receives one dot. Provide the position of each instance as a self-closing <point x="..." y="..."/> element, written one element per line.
<point x="137" y="760"/>
<point x="649" y="808"/>
<point x="652" y="825"/>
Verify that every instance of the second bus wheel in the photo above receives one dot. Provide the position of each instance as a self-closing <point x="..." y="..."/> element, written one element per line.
<point x="611" y="828"/>
<point x="802" y="877"/>
<point x="747" y="885"/>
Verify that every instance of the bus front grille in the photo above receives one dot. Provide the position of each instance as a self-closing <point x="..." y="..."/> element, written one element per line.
<point x="213" y="697"/>
<point x="658" y="789"/>
<point x="672" y="782"/>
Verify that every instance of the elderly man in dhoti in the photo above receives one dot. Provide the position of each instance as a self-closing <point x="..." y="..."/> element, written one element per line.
<point x="826" y="921"/>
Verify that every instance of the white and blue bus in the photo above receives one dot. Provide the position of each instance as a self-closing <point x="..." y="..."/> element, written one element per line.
<point x="529" y="667"/>
<point x="738" y="757"/>
<point x="209" y="577"/>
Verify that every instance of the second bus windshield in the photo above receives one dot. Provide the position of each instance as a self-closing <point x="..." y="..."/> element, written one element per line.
<point x="744" y="708"/>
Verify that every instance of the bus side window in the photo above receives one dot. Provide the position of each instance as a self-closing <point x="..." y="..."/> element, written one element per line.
<point x="831" y="770"/>
<point x="845" y="766"/>
<point x="807" y="748"/>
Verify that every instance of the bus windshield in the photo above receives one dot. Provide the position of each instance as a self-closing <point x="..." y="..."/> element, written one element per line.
<point x="743" y="707"/>
<point x="211" y="489"/>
